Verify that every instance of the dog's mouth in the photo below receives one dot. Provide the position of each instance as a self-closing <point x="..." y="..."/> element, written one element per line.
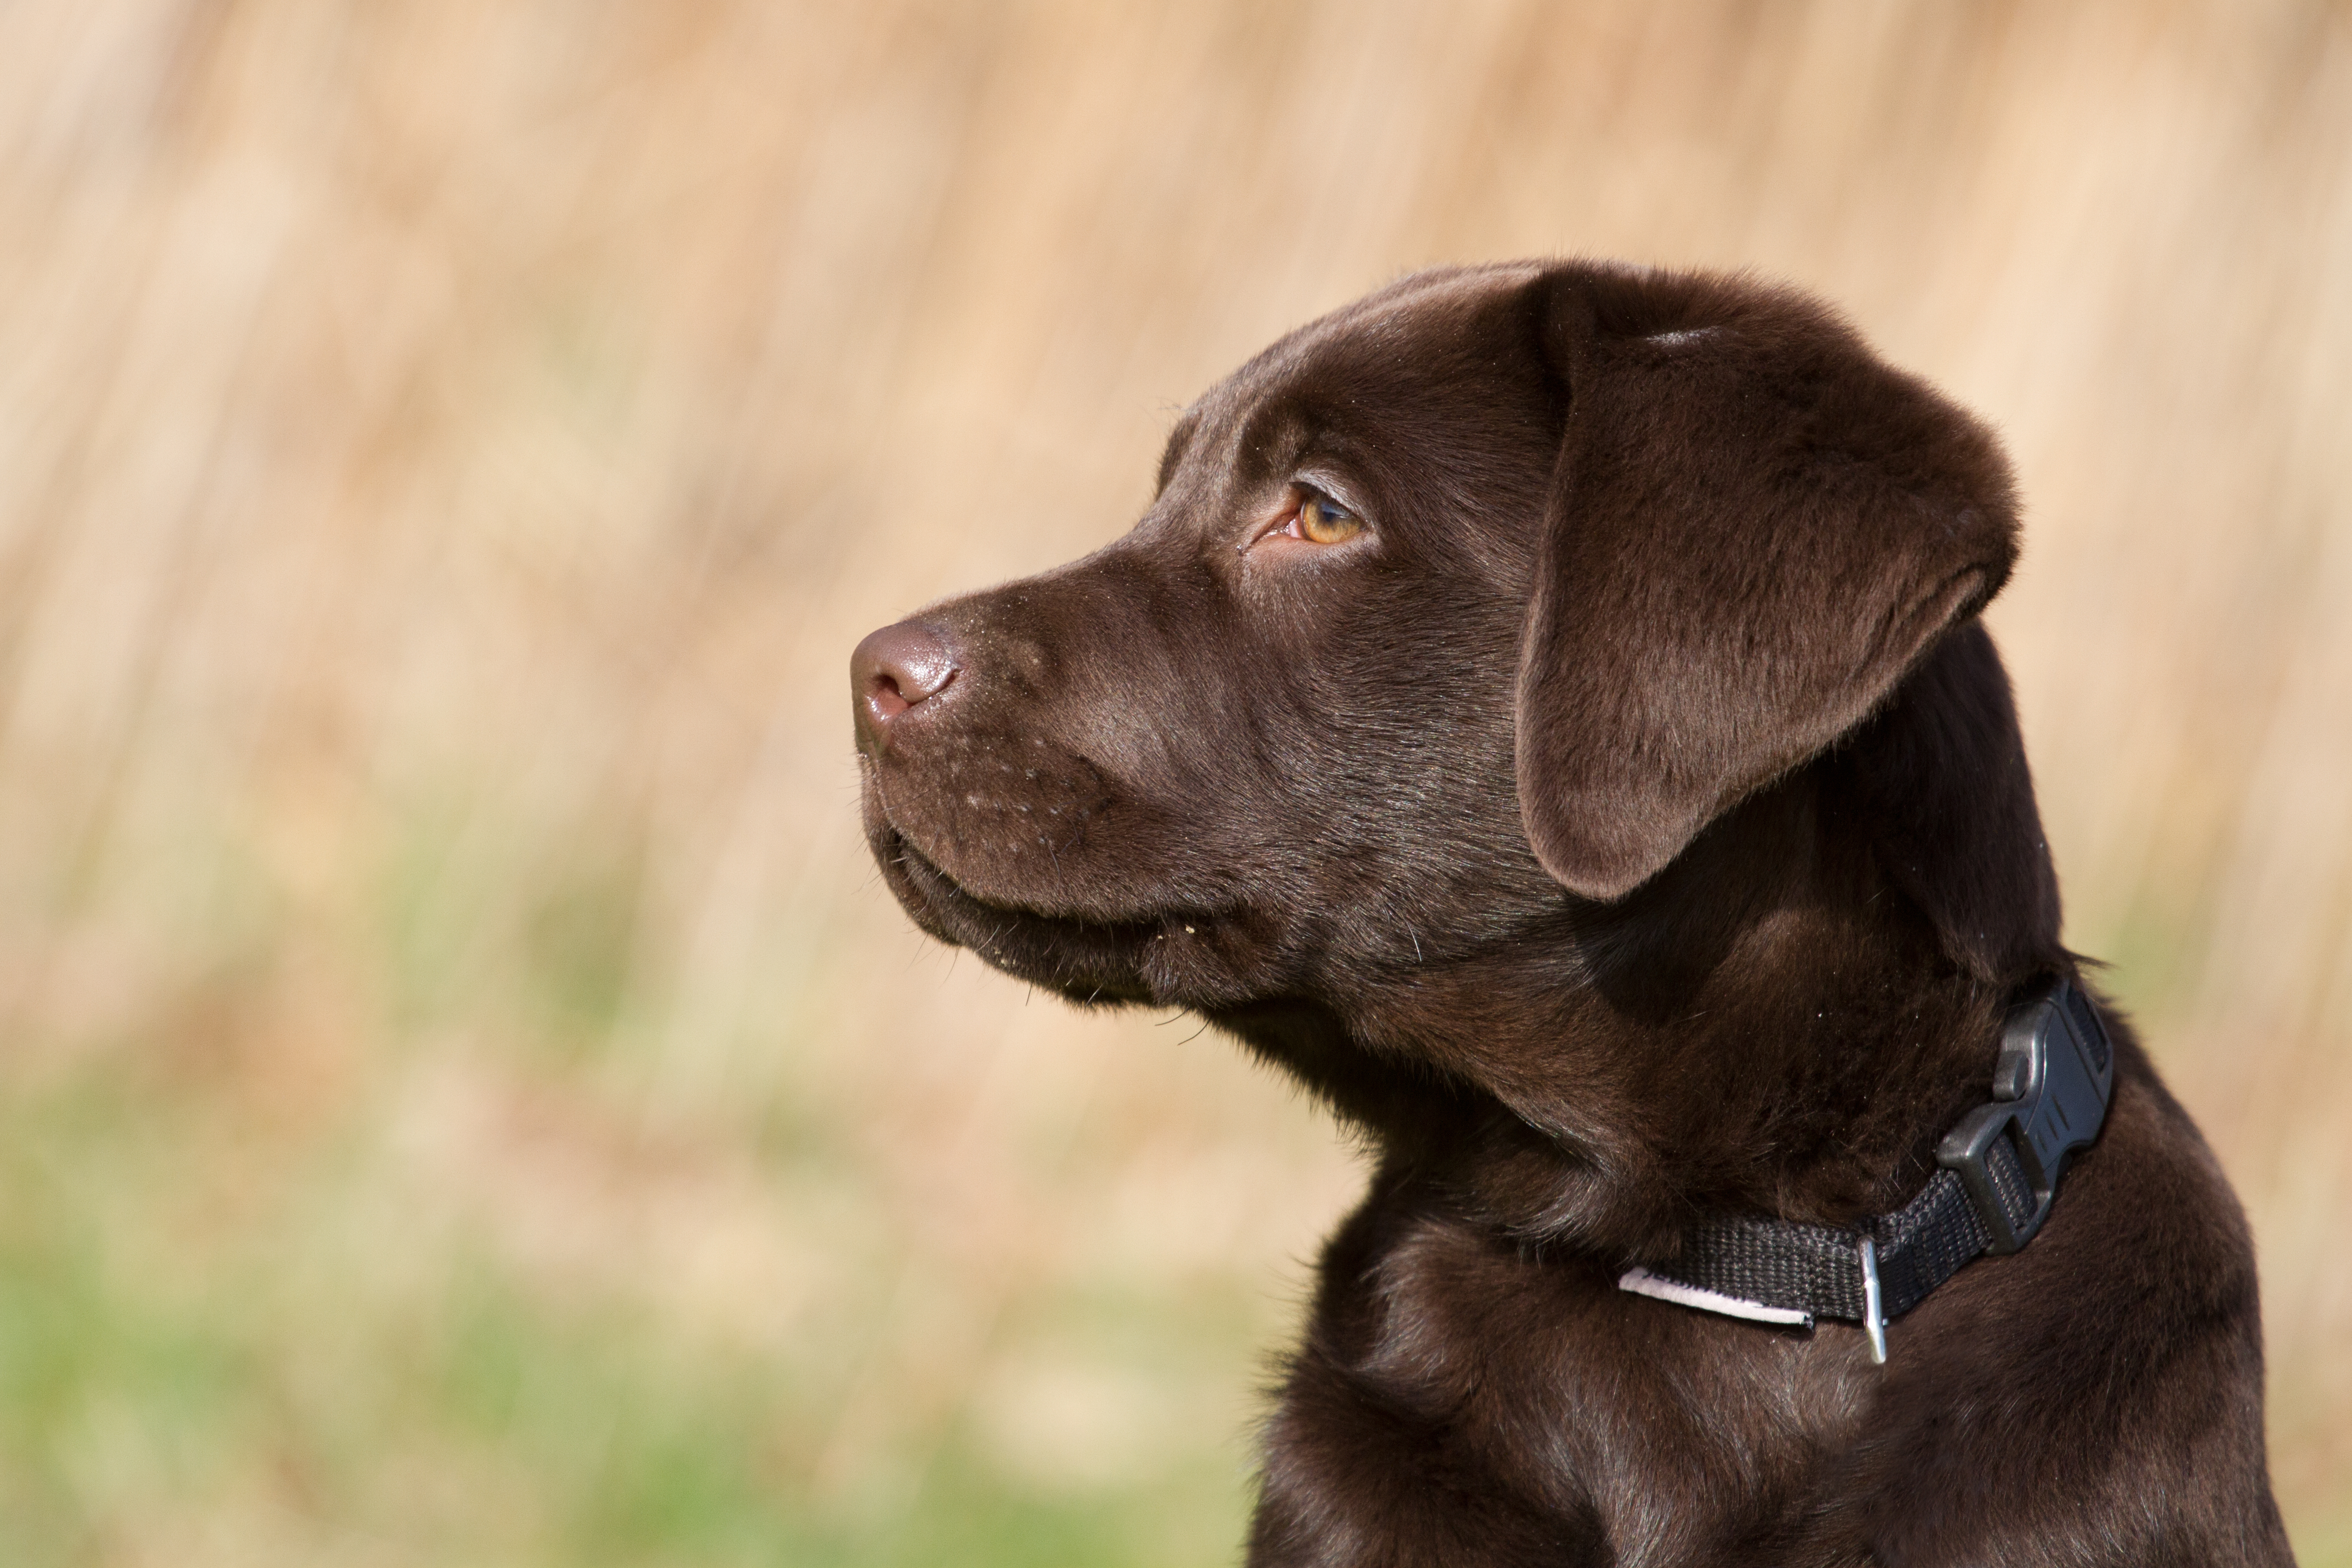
<point x="1087" y="961"/>
<point x="905" y="839"/>
<point x="928" y="888"/>
<point x="1176" y="957"/>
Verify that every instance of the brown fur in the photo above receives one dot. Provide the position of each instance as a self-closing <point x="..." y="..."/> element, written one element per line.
<point x="1631" y="825"/>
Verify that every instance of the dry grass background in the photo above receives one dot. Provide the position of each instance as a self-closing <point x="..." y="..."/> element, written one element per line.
<point x="464" y="1099"/>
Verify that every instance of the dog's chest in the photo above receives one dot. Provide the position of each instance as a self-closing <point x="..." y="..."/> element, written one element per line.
<point x="1675" y="1432"/>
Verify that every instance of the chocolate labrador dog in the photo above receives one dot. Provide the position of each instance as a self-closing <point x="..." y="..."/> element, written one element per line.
<point x="1544" y="709"/>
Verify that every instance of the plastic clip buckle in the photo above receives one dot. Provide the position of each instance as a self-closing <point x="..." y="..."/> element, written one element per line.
<point x="2051" y="1087"/>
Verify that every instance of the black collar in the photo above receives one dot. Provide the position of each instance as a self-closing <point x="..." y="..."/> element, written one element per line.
<point x="1998" y="1176"/>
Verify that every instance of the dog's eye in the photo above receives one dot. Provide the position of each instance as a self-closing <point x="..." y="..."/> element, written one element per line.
<point x="1322" y="520"/>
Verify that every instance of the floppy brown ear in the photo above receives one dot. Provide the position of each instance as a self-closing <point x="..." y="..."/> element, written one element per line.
<point x="1754" y="528"/>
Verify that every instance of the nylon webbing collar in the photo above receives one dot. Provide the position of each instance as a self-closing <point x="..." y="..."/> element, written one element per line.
<point x="1997" y="1174"/>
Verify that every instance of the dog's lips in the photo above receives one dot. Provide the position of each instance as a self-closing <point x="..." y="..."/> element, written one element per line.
<point x="919" y="869"/>
<point x="934" y="882"/>
<point x="1004" y="814"/>
<point x="945" y="892"/>
<point x="1177" y="956"/>
<point x="1088" y="961"/>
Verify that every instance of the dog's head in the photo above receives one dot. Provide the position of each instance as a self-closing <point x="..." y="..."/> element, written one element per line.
<point x="1462" y="618"/>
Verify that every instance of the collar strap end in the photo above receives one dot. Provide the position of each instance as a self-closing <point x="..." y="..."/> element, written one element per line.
<point x="1642" y="1282"/>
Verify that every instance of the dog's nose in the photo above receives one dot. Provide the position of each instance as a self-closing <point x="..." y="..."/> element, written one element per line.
<point x="895" y="670"/>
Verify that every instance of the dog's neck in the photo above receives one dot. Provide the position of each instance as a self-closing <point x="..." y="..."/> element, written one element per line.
<point x="1783" y="1022"/>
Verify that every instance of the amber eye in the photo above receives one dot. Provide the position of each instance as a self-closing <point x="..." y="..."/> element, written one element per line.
<point x="1324" y="520"/>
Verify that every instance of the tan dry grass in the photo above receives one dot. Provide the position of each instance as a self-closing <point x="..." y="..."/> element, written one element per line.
<point x="446" y="451"/>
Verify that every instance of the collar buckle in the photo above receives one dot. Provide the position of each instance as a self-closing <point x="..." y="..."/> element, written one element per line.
<point x="2051" y="1088"/>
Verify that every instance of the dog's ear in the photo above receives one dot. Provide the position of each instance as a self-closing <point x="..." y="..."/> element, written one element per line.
<point x="1754" y="528"/>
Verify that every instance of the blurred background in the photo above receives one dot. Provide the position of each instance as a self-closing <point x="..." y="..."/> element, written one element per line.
<point x="464" y="1097"/>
